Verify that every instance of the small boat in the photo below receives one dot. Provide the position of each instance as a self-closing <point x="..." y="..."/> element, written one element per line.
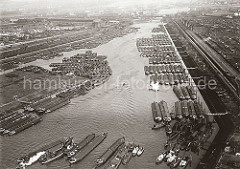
<point x="140" y="151"/>
<point x="135" y="150"/>
<point x="184" y="162"/>
<point x="168" y="129"/>
<point x="158" y="126"/>
<point x="170" y="154"/>
<point x="124" y="84"/>
<point x="160" y="158"/>
<point x="171" y="159"/>
<point x="176" y="162"/>
<point x="167" y="145"/>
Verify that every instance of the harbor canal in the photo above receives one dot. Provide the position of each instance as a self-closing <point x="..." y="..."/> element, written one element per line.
<point x="120" y="110"/>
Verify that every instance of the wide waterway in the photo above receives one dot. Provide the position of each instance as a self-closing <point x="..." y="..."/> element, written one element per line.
<point x="119" y="111"/>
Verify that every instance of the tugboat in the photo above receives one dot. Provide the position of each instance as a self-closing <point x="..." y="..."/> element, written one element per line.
<point x="171" y="159"/>
<point x="80" y="146"/>
<point x="140" y="151"/>
<point x="51" y="156"/>
<point x="176" y="162"/>
<point x="170" y="154"/>
<point x="184" y="162"/>
<point x="58" y="153"/>
<point x="135" y="150"/>
<point x="158" y="126"/>
<point x="161" y="157"/>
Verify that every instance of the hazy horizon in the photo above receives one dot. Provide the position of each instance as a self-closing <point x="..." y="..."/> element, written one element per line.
<point x="83" y="4"/>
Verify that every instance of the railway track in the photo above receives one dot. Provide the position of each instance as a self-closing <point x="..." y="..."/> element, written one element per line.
<point x="225" y="123"/>
<point x="214" y="65"/>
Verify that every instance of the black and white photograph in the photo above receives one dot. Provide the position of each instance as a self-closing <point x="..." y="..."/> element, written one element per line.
<point x="120" y="84"/>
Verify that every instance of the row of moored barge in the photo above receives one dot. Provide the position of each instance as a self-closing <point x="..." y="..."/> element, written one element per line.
<point x="182" y="109"/>
<point x="168" y="68"/>
<point x="163" y="60"/>
<point x="13" y="122"/>
<point x="185" y="92"/>
<point x="160" y="112"/>
<point x="188" y="126"/>
<point x="118" y="153"/>
<point x="169" y="78"/>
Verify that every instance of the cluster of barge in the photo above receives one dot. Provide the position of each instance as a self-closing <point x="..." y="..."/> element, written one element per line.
<point x="164" y="59"/>
<point x="15" y="122"/>
<point x="92" y="70"/>
<point x="165" y="66"/>
<point x="169" y="78"/>
<point x="185" y="92"/>
<point x="118" y="153"/>
<point x="88" y="64"/>
<point x="188" y="126"/>
<point x="160" y="112"/>
<point x="168" y="68"/>
<point x="159" y="38"/>
<point x="23" y="117"/>
<point x="185" y="136"/>
<point x="159" y="49"/>
<point x="47" y="104"/>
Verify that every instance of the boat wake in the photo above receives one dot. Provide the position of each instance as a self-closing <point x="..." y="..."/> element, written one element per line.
<point x="33" y="159"/>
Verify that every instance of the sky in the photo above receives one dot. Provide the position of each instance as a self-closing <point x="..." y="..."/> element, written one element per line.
<point x="80" y="3"/>
<point x="83" y="6"/>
